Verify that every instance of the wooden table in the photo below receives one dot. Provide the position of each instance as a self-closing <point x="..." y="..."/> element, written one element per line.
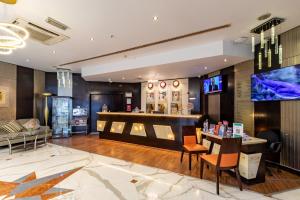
<point x="252" y="160"/>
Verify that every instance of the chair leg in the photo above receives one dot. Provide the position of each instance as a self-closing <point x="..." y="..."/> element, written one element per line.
<point x="238" y="178"/>
<point x="201" y="167"/>
<point x="181" y="158"/>
<point x="218" y="174"/>
<point x="190" y="161"/>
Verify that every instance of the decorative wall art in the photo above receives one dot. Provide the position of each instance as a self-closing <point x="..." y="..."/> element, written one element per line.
<point x="163" y="102"/>
<point x="4" y="97"/>
<point x="150" y="102"/>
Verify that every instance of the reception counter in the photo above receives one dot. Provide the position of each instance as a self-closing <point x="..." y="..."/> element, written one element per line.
<point x="157" y="130"/>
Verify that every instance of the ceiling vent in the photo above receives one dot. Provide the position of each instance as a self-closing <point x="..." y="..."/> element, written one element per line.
<point x="41" y="34"/>
<point x="56" y="23"/>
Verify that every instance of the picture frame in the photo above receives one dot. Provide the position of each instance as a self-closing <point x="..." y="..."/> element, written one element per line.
<point x="4" y="97"/>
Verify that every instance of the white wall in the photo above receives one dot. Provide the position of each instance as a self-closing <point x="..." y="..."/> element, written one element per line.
<point x="183" y="87"/>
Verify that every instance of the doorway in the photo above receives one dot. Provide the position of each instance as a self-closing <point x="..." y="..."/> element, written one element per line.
<point x="114" y="102"/>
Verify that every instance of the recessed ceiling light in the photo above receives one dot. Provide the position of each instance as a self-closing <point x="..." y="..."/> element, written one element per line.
<point x="225" y="59"/>
<point x="123" y="78"/>
<point x="112" y="36"/>
<point x="155" y="18"/>
<point x="92" y="39"/>
<point x="54" y="52"/>
<point x="27" y="60"/>
<point x="205" y="68"/>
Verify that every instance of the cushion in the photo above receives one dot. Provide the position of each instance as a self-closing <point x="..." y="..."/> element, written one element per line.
<point x="32" y="124"/>
<point x="227" y="160"/>
<point x="11" y="127"/>
<point x="195" y="148"/>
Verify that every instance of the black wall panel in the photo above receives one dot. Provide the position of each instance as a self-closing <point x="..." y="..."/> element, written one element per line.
<point x="25" y="81"/>
<point x="227" y="96"/>
<point x="267" y="114"/>
<point x="194" y="92"/>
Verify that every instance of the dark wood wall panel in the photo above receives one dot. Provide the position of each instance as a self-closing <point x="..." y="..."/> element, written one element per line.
<point x="83" y="89"/>
<point x="194" y="92"/>
<point x="267" y="114"/>
<point x="227" y="96"/>
<point x="25" y="81"/>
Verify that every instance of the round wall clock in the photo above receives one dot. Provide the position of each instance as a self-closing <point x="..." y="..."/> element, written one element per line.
<point x="163" y="84"/>
<point x="176" y="83"/>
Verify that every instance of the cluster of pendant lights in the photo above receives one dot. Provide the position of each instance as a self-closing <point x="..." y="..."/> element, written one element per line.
<point x="265" y="47"/>
<point x="11" y="37"/>
<point x="64" y="78"/>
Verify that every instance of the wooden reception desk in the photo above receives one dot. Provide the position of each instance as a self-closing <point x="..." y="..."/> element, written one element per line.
<point x="157" y="130"/>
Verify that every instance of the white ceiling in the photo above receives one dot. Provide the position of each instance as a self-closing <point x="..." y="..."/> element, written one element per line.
<point x="131" y="22"/>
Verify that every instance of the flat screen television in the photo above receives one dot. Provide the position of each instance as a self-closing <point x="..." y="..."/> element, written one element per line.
<point x="213" y="85"/>
<point x="276" y="85"/>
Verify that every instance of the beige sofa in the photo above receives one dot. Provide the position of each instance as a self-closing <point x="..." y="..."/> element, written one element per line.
<point x="24" y="137"/>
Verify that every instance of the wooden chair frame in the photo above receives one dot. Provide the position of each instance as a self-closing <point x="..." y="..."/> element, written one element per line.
<point x="228" y="146"/>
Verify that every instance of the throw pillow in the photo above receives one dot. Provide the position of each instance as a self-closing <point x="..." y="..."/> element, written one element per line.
<point x="11" y="127"/>
<point x="32" y="124"/>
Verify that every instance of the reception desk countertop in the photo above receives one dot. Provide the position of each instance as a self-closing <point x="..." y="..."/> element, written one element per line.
<point x="150" y="115"/>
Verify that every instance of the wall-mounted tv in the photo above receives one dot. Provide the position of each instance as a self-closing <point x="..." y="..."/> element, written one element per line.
<point x="276" y="85"/>
<point x="213" y="85"/>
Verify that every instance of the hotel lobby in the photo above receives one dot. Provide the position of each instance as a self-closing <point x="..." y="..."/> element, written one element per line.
<point x="177" y="100"/>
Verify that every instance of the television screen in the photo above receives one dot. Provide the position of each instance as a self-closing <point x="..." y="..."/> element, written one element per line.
<point x="280" y="84"/>
<point x="213" y="84"/>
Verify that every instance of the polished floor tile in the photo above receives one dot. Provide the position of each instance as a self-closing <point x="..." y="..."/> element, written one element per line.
<point x="100" y="177"/>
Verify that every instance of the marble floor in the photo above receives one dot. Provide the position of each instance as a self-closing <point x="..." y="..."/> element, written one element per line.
<point x="66" y="173"/>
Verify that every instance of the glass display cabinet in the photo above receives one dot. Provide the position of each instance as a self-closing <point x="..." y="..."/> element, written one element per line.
<point x="61" y="116"/>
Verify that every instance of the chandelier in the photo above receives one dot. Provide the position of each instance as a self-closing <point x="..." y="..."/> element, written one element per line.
<point x="268" y="43"/>
<point x="64" y="78"/>
<point x="12" y="37"/>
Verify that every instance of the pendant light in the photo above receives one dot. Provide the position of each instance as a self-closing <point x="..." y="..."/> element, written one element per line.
<point x="276" y="44"/>
<point x="262" y="39"/>
<point x="259" y="60"/>
<point x="272" y="34"/>
<point x="266" y="49"/>
<point x="269" y="58"/>
<point x="253" y="43"/>
<point x="280" y="54"/>
<point x="12" y="37"/>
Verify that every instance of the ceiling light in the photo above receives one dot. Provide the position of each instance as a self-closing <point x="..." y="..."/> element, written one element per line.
<point x="225" y="59"/>
<point x="54" y="52"/>
<point x="27" y="60"/>
<point x="112" y="36"/>
<point x="205" y="68"/>
<point x="155" y="18"/>
<point x="13" y="38"/>
<point x="123" y="78"/>
<point x="92" y="39"/>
